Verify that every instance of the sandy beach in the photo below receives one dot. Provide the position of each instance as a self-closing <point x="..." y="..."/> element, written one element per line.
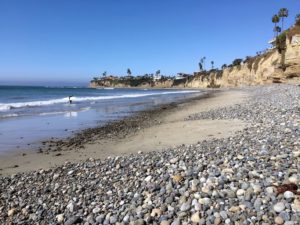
<point x="153" y="130"/>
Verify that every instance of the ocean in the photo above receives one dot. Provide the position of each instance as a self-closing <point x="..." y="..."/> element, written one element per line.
<point x="29" y="115"/>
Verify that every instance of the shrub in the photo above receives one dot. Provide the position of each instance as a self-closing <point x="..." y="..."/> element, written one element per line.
<point x="237" y="62"/>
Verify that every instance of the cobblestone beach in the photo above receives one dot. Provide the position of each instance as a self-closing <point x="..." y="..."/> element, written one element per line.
<point x="251" y="177"/>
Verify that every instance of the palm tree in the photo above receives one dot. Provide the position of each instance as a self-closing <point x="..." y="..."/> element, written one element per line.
<point x="275" y="20"/>
<point x="283" y="12"/>
<point x="157" y="72"/>
<point x="212" y="64"/>
<point x="200" y="66"/>
<point x="104" y="74"/>
<point x="128" y="72"/>
<point x="202" y="61"/>
<point x="277" y="30"/>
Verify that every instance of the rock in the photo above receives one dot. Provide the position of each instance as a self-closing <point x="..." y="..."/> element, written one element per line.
<point x="223" y="214"/>
<point x="289" y="195"/>
<point x="139" y="222"/>
<point x="240" y="192"/>
<point x="195" y="217"/>
<point x="227" y="221"/>
<point x="296" y="154"/>
<point x="279" y="220"/>
<point x="165" y="222"/>
<point x="113" y="219"/>
<point x="55" y="176"/>
<point x="176" y="222"/>
<point x="70" y="207"/>
<point x="60" y="218"/>
<point x="96" y="210"/>
<point x="227" y="170"/>
<point x="174" y="160"/>
<point x="205" y="201"/>
<point x="240" y="157"/>
<point x="148" y="178"/>
<point x="257" y="204"/>
<point x="73" y="220"/>
<point x="270" y="190"/>
<point x="100" y="219"/>
<point x="256" y="188"/>
<point x="185" y="207"/>
<point x="234" y="209"/>
<point x="278" y="207"/>
<point x="293" y="179"/>
<point x="11" y="212"/>
<point x="296" y="205"/>
<point x="217" y="221"/>
<point x="156" y="212"/>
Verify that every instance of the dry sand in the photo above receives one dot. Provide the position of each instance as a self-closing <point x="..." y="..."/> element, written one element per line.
<point x="172" y="130"/>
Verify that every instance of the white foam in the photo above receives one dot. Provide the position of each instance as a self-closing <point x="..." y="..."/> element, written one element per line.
<point x="8" y="106"/>
<point x="50" y="113"/>
<point x="9" y="115"/>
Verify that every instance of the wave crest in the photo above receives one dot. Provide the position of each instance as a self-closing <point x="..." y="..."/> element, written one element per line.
<point x="8" y="106"/>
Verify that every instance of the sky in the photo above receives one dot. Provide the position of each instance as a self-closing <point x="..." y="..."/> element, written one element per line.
<point x="71" y="41"/>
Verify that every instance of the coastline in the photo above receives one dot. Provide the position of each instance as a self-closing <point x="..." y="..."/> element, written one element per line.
<point x="247" y="176"/>
<point x="129" y="135"/>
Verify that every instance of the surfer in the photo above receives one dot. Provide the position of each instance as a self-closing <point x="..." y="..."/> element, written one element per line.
<point x="70" y="100"/>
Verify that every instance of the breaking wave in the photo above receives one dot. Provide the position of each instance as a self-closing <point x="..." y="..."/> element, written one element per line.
<point x="8" y="106"/>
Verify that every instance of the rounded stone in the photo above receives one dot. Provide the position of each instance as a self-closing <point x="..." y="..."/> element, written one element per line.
<point x="279" y="220"/>
<point x="60" y="218"/>
<point x="217" y="221"/>
<point x="165" y="222"/>
<point x="96" y="210"/>
<point x="195" y="218"/>
<point x="278" y="207"/>
<point x="289" y="195"/>
<point x="11" y="212"/>
<point x="240" y="192"/>
<point x="185" y="207"/>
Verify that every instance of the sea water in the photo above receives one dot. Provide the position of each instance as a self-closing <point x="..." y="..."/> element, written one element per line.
<point x="29" y="115"/>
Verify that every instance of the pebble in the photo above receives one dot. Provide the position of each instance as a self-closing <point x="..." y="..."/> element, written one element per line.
<point x="147" y="179"/>
<point x="195" y="217"/>
<point x="11" y="212"/>
<point x="278" y="207"/>
<point x="289" y="195"/>
<point x="240" y="192"/>
<point x="279" y="220"/>
<point x="185" y="207"/>
<point x="60" y="218"/>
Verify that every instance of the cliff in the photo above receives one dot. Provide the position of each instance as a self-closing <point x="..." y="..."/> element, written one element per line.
<point x="271" y="67"/>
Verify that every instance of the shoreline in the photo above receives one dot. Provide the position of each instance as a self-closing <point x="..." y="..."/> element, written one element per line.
<point x="248" y="176"/>
<point x="85" y="144"/>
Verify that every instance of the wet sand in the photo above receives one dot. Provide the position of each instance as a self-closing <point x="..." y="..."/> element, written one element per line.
<point x="151" y="130"/>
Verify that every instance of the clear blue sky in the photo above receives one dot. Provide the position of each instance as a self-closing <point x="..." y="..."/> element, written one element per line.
<point x="72" y="41"/>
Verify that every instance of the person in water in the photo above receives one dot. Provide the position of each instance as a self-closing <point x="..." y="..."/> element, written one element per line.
<point x="70" y="100"/>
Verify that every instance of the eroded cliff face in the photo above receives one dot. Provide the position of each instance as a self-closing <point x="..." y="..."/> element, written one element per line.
<point x="270" y="67"/>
